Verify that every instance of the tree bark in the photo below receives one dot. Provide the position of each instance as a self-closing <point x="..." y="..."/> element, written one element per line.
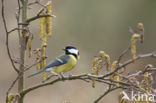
<point x="22" y="49"/>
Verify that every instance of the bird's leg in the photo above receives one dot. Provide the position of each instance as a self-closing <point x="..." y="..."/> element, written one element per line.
<point x="55" y="74"/>
<point x="61" y="75"/>
<point x="51" y="75"/>
<point x="69" y="74"/>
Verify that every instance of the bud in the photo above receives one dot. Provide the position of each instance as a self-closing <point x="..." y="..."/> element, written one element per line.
<point x="140" y="26"/>
<point x="133" y="45"/>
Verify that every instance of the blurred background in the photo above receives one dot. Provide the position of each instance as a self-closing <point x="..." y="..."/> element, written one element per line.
<point x="90" y="25"/>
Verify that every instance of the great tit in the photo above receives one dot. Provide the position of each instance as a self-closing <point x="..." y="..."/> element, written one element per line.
<point x="63" y="63"/>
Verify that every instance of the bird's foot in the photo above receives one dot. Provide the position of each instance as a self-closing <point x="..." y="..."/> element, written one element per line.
<point x="69" y="75"/>
<point x="61" y="76"/>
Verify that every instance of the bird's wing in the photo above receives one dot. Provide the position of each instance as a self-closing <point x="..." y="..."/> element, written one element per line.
<point x="58" y="61"/>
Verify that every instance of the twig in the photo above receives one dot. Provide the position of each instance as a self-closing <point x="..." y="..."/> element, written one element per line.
<point x="123" y="53"/>
<point x="108" y="90"/>
<point x="109" y="82"/>
<point x="18" y="17"/>
<point x="37" y="17"/>
<point x="34" y="2"/>
<point x="74" y="77"/>
<point x="7" y="45"/>
<point x="13" y="30"/>
<point x="34" y="64"/>
<point x="11" y="86"/>
<point x="13" y="83"/>
<point x="120" y="82"/>
<point x="129" y="62"/>
<point x="142" y="72"/>
<point x="7" y="37"/>
<point x="86" y="76"/>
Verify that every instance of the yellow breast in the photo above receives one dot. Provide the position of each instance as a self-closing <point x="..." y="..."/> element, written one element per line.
<point x="67" y="66"/>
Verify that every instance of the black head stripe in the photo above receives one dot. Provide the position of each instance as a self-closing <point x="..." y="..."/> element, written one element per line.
<point x="68" y="53"/>
<point x="70" y="47"/>
<point x="75" y="56"/>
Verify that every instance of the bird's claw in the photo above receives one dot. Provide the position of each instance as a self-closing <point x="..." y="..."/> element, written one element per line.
<point x="61" y="76"/>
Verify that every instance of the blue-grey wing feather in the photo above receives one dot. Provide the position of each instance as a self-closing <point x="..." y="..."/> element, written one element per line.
<point x="59" y="61"/>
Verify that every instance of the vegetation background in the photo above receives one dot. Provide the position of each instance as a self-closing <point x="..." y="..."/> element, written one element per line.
<point x="90" y="25"/>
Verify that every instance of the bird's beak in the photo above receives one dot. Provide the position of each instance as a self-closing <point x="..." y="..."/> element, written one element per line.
<point x="64" y="49"/>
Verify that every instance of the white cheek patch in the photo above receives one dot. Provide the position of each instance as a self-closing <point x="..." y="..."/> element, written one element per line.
<point x="73" y="51"/>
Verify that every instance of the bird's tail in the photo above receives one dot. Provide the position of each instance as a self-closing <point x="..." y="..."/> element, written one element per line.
<point x="42" y="70"/>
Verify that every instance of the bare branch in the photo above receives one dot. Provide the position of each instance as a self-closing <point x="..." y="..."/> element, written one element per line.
<point x="13" y="30"/>
<point x="11" y="86"/>
<point x="37" y="17"/>
<point x="123" y="53"/>
<point x="128" y="82"/>
<point x="34" y="64"/>
<point x="108" y="90"/>
<point x="18" y="17"/>
<point x="34" y="2"/>
<point x="129" y="62"/>
<point x="89" y="76"/>
<point x="52" y="82"/>
<point x="7" y="37"/>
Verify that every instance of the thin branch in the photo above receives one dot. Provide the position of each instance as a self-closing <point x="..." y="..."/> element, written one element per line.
<point x="123" y="53"/>
<point x="111" y="82"/>
<point x="13" y="30"/>
<point x="7" y="45"/>
<point x="87" y="76"/>
<point x="149" y="70"/>
<point x="34" y="2"/>
<point x="130" y="61"/>
<point x="27" y="68"/>
<point x="74" y="77"/>
<point x="52" y="82"/>
<point x="120" y="82"/>
<point x="18" y="18"/>
<point x="108" y="90"/>
<point x="142" y="72"/>
<point x="11" y="86"/>
<point x="7" y="37"/>
<point x="37" y="17"/>
<point x="13" y="83"/>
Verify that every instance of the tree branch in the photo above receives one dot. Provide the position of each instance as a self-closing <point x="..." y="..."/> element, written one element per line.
<point x="11" y="86"/>
<point x="108" y="90"/>
<point x="129" y="62"/>
<point x="37" y="17"/>
<point x="22" y="42"/>
<point x="52" y="82"/>
<point x="7" y="37"/>
<point x="123" y="53"/>
<point x="13" y="30"/>
<point x="88" y="76"/>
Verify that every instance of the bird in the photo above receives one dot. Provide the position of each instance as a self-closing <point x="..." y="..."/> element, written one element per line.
<point x="63" y="63"/>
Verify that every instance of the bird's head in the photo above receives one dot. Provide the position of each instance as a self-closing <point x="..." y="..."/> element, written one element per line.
<point x="70" y="50"/>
